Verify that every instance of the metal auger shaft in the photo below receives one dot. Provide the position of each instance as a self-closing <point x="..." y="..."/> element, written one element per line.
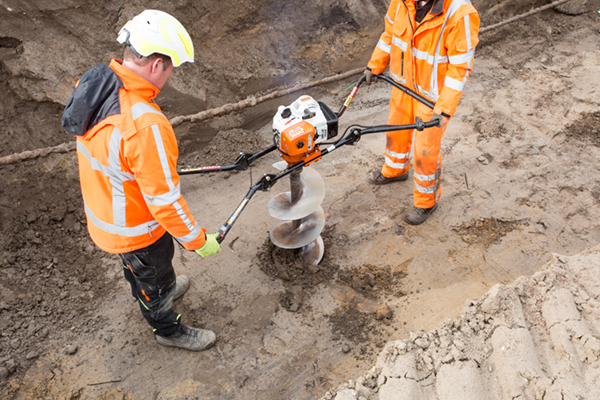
<point x="296" y="192"/>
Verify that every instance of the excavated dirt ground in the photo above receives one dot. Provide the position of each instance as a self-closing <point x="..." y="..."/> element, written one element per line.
<point x="534" y="339"/>
<point x="520" y="182"/>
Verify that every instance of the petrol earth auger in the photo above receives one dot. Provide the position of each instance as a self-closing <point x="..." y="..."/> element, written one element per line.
<point x="303" y="133"/>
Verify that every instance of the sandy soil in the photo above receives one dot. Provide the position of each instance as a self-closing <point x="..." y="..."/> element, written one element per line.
<point x="520" y="183"/>
<point x="534" y="339"/>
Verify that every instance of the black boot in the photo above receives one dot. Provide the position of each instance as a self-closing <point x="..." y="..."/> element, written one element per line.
<point x="417" y="216"/>
<point x="377" y="178"/>
<point x="189" y="338"/>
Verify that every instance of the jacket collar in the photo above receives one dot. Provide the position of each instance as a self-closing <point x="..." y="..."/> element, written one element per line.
<point x="438" y="7"/>
<point x="134" y="82"/>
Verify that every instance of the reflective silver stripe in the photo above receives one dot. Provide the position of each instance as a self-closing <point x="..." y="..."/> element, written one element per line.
<point x="389" y="19"/>
<point x="133" y="231"/>
<point x="164" y="199"/>
<point x="437" y="183"/>
<point x="400" y="43"/>
<point x="431" y="95"/>
<point x="462" y="58"/>
<point x="425" y="190"/>
<point x="190" y="236"/>
<point x="392" y="164"/>
<point x="468" y="31"/>
<point x="423" y="55"/>
<point x="139" y="109"/>
<point x="162" y="155"/>
<point x="425" y="178"/>
<point x="397" y="155"/>
<point x="455" y="5"/>
<point x="97" y="166"/>
<point x="454" y="84"/>
<point x="468" y="70"/>
<point x="118" y="192"/>
<point x="433" y="85"/>
<point x="383" y="46"/>
<point x="183" y="216"/>
<point x="194" y="229"/>
<point x="397" y="78"/>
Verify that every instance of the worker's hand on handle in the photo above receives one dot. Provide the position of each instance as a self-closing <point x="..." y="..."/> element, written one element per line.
<point x="211" y="246"/>
<point x="370" y="76"/>
<point x="442" y="121"/>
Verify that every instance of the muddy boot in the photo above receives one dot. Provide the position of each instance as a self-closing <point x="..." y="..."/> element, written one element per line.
<point x="189" y="338"/>
<point x="377" y="178"/>
<point x="182" y="283"/>
<point x="417" y="216"/>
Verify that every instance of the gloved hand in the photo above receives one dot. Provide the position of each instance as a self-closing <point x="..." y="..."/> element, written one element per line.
<point x="370" y="77"/>
<point x="438" y="118"/>
<point x="211" y="246"/>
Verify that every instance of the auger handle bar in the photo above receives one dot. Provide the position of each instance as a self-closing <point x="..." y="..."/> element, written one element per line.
<point x="245" y="160"/>
<point x="241" y="163"/>
<point x="268" y="180"/>
<point x="392" y="82"/>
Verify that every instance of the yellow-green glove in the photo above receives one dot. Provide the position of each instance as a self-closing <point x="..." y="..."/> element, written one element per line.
<point x="211" y="246"/>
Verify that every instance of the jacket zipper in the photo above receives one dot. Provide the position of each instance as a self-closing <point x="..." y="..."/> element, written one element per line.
<point x="402" y="65"/>
<point x="412" y="38"/>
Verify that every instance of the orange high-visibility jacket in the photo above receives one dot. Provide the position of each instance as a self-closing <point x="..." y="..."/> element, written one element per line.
<point x="127" y="154"/>
<point x="434" y="57"/>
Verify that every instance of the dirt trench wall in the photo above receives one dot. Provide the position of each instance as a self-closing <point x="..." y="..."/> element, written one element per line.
<point x="241" y="47"/>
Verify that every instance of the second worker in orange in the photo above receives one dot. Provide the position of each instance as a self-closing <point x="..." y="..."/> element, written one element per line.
<point x="429" y="46"/>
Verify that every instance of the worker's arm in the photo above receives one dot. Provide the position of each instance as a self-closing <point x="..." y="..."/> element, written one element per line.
<point x="381" y="55"/>
<point x="152" y="156"/>
<point x="460" y="44"/>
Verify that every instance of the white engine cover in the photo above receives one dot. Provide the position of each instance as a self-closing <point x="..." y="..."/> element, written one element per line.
<point x="305" y="108"/>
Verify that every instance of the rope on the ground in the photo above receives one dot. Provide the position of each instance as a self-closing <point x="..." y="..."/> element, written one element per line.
<point x="518" y="17"/>
<point x="251" y="101"/>
<point x="28" y="155"/>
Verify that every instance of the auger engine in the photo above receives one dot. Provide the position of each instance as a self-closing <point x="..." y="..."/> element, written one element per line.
<point x="300" y="128"/>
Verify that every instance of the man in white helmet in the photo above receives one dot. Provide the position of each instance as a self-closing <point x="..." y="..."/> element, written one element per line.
<point x="127" y="154"/>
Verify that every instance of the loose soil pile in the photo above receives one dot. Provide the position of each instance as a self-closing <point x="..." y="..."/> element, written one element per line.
<point x="52" y="276"/>
<point x="536" y="338"/>
<point x="586" y="130"/>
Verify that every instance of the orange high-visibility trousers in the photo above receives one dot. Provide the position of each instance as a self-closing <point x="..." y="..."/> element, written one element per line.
<point x="427" y="158"/>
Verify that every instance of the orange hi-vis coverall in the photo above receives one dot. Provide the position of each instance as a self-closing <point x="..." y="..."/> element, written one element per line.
<point x="433" y="58"/>
<point x="127" y="154"/>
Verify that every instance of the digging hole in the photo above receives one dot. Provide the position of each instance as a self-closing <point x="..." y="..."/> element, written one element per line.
<point x="485" y="231"/>
<point x="286" y="265"/>
<point x="586" y="130"/>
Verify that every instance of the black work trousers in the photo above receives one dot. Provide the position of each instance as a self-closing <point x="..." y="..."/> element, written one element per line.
<point x="152" y="278"/>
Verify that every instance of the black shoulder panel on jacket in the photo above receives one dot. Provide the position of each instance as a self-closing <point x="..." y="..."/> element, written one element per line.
<point x="95" y="98"/>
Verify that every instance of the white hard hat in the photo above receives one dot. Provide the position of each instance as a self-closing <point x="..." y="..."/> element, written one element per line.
<point x="156" y="31"/>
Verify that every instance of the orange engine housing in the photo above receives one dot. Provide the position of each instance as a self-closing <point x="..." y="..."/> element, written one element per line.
<point x="300" y="128"/>
<point x="297" y="143"/>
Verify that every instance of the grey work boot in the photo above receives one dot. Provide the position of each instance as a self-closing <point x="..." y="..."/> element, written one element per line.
<point x="417" y="216"/>
<point x="377" y="178"/>
<point x="189" y="338"/>
<point x="182" y="283"/>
